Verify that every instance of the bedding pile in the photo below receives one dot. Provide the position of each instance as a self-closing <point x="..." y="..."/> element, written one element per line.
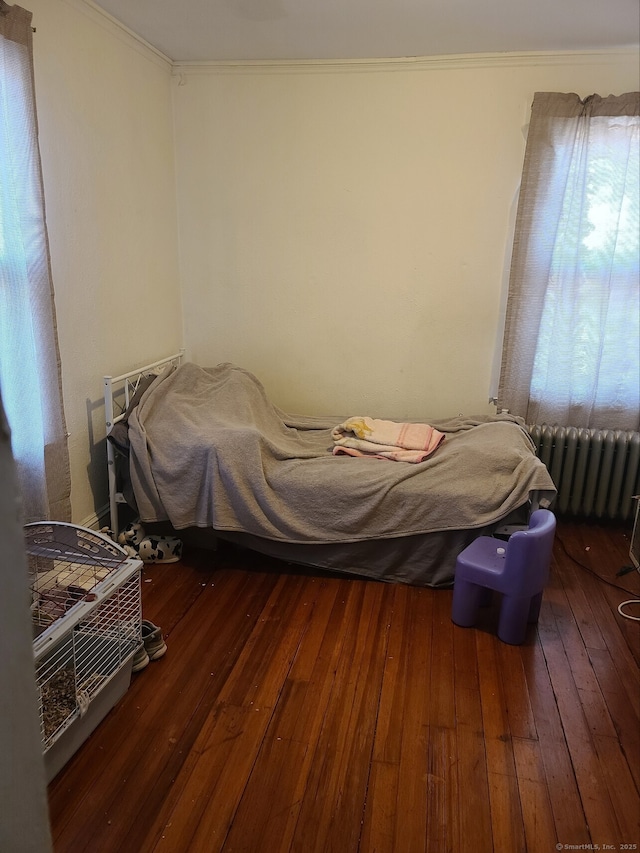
<point x="208" y="449"/>
<point x="398" y="442"/>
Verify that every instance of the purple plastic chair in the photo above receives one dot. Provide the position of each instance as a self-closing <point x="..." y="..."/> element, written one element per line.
<point x="519" y="569"/>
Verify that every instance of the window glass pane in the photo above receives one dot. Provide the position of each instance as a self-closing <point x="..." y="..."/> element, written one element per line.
<point x="591" y="305"/>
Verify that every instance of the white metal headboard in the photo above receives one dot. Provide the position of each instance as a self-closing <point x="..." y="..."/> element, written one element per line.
<point x="118" y="391"/>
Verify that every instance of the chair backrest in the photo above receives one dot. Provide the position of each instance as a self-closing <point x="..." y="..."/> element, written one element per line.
<point x="528" y="554"/>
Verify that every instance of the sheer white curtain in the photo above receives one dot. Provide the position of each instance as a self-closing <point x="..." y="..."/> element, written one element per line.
<point x="571" y="352"/>
<point x="30" y="377"/>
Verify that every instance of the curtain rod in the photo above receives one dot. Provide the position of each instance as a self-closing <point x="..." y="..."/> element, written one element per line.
<point x="5" y="8"/>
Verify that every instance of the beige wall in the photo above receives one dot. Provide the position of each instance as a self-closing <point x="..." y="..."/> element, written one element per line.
<point x="106" y="138"/>
<point x="344" y="231"/>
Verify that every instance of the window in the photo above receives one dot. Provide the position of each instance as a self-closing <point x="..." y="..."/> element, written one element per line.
<point x="572" y="339"/>
<point x="29" y="361"/>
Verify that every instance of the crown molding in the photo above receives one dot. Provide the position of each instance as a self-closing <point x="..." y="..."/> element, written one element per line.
<point x="112" y="25"/>
<point x="409" y="63"/>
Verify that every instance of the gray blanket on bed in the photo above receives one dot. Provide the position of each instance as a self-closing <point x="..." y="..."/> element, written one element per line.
<point x="208" y="449"/>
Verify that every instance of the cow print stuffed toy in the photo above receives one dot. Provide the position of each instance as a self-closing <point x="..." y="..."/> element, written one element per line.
<point x="150" y="549"/>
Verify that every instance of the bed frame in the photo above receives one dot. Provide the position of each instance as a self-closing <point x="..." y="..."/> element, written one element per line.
<point x="118" y="391"/>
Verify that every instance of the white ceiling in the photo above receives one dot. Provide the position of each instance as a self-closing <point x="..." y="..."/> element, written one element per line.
<point x="208" y="30"/>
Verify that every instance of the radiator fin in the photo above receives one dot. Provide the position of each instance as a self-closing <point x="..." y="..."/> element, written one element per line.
<point x="596" y="472"/>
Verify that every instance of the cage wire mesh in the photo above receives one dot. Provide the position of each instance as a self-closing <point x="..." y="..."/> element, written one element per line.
<point x="87" y="611"/>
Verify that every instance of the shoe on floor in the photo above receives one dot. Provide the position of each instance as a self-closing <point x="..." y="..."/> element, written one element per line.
<point x="140" y="658"/>
<point x="154" y="643"/>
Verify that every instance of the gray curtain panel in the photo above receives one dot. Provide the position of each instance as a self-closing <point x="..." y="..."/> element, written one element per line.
<point x="571" y="343"/>
<point x="30" y="370"/>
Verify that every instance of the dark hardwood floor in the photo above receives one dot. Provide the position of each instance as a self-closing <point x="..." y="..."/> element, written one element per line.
<point x="301" y="712"/>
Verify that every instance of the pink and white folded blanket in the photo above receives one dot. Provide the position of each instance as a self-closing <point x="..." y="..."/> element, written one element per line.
<point x="401" y="442"/>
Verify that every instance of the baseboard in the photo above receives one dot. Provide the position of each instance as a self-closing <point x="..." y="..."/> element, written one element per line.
<point x="96" y="521"/>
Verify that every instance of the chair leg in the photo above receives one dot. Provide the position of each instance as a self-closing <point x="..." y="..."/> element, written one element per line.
<point x="466" y="600"/>
<point x="534" y="608"/>
<point x="514" y="613"/>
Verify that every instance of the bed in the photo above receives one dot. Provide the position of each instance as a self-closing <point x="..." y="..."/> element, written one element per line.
<point x="206" y="448"/>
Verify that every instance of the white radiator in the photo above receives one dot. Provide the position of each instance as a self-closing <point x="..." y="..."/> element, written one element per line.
<point x="596" y="472"/>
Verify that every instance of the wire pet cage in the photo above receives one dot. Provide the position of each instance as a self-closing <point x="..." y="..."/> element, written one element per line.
<point x="87" y="614"/>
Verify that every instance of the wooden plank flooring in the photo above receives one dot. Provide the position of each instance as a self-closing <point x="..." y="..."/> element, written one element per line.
<point x="297" y="711"/>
